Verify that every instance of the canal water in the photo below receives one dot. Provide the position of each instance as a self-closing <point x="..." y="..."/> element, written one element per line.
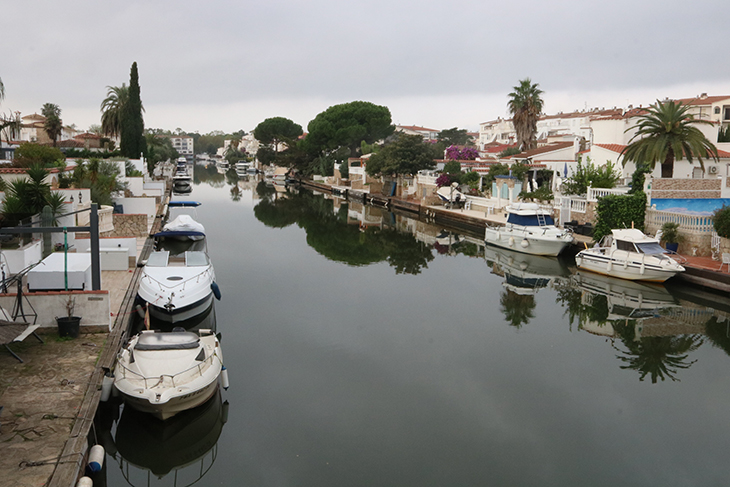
<point x="367" y="348"/>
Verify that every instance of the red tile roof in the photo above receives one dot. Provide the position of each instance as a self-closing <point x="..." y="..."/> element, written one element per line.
<point x="618" y="148"/>
<point x="543" y="150"/>
<point x="707" y="100"/>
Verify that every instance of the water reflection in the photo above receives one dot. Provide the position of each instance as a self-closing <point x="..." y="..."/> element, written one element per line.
<point x="184" y="447"/>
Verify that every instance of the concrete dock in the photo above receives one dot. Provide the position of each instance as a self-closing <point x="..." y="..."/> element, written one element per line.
<point x="50" y="399"/>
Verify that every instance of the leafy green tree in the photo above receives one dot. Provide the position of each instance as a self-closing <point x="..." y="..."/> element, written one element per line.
<point x="665" y="133"/>
<point x="52" y="125"/>
<point x="101" y="177"/>
<point x="347" y="125"/>
<point x="723" y="135"/>
<point x="639" y="177"/>
<point x="277" y="130"/>
<point x="721" y="221"/>
<point x="408" y="154"/>
<point x="525" y="105"/>
<point x="509" y="151"/>
<point x="132" y="129"/>
<point x="454" y="136"/>
<point x="30" y="153"/>
<point x="588" y="174"/>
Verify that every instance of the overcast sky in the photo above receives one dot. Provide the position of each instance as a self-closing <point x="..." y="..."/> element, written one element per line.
<point x="228" y="65"/>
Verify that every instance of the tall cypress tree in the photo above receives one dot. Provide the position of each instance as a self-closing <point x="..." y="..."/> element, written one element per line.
<point x="133" y="142"/>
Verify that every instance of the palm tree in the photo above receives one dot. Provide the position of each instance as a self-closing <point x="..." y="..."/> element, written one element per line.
<point x="112" y="109"/>
<point x="52" y="125"/>
<point x="8" y="124"/>
<point x="665" y="133"/>
<point x="525" y="105"/>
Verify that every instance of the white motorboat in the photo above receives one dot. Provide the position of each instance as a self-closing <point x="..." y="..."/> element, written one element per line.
<point x="178" y="287"/>
<point x="629" y="254"/>
<point x="530" y="229"/>
<point x="164" y="373"/>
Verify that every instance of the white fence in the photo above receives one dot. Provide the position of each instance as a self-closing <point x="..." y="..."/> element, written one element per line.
<point x="697" y="224"/>
<point x="594" y="193"/>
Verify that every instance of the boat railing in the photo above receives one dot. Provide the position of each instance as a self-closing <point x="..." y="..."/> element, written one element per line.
<point x="182" y="283"/>
<point x="160" y="379"/>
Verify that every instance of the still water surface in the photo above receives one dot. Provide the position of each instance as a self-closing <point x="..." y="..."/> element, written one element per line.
<point x="377" y="350"/>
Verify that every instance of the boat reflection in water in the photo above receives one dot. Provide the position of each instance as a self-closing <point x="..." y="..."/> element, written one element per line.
<point x="608" y="299"/>
<point x="653" y="334"/>
<point x="184" y="446"/>
<point x="525" y="273"/>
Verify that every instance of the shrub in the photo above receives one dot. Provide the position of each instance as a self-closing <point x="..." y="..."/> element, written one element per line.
<point x="721" y="221"/>
<point x="619" y="211"/>
<point x="670" y="233"/>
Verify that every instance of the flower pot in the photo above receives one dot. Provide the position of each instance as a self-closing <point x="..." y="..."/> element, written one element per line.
<point x="68" y="326"/>
<point x="672" y="247"/>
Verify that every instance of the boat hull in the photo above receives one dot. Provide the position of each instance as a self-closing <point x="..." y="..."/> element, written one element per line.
<point x="173" y="406"/>
<point x="177" y="315"/>
<point x="525" y="242"/>
<point x="631" y="271"/>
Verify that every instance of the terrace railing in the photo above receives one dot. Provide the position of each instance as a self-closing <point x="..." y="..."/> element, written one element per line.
<point x="696" y="224"/>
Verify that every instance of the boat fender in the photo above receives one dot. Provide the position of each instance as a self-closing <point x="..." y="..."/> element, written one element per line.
<point x="106" y="386"/>
<point x="85" y="482"/>
<point x="511" y="241"/>
<point x="224" y="412"/>
<point x="96" y="458"/>
<point x="499" y="236"/>
<point x="524" y="243"/>
<point x="216" y="290"/>
<point x="224" y="378"/>
<point x="140" y="310"/>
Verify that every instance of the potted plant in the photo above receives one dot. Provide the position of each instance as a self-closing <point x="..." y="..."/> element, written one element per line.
<point x="68" y="326"/>
<point x="671" y="236"/>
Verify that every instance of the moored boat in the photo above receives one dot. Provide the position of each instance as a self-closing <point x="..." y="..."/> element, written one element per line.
<point x="530" y="229"/>
<point x="164" y="373"/>
<point x="629" y="254"/>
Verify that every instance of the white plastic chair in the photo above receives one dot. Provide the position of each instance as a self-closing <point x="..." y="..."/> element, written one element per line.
<point x="725" y="261"/>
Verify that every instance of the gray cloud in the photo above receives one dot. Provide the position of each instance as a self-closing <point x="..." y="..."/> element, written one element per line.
<point x="237" y="54"/>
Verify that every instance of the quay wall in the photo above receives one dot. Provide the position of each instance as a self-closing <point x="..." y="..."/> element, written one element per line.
<point x="94" y="307"/>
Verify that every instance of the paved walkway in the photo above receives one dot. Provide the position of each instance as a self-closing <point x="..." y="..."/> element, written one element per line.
<point x="41" y="398"/>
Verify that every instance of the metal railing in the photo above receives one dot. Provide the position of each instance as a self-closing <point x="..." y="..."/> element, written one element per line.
<point x="160" y="380"/>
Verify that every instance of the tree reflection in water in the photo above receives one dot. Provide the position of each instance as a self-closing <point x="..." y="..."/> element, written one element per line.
<point x="518" y="309"/>
<point x="659" y="357"/>
<point x="330" y="234"/>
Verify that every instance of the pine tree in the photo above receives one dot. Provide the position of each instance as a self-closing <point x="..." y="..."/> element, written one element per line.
<point x="133" y="143"/>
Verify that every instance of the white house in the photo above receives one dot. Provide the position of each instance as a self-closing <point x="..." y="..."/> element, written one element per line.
<point x="428" y="135"/>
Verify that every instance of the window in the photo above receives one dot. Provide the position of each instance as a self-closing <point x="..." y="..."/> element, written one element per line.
<point x="624" y="245"/>
<point x="717" y="110"/>
<point x="727" y="113"/>
<point x="651" y="248"/>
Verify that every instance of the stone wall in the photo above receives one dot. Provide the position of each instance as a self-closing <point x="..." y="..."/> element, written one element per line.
<point x="686" y="188"/>
<point x="128" y="225"/>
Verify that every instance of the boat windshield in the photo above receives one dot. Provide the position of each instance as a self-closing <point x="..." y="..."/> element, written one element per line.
<point x="650" y="248"/>
<point x="529" y="220"/>
<point x="195" y="258"/>
<point x="158" y="259"/>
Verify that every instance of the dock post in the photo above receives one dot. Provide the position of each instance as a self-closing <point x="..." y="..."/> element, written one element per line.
<point x="94" y="238"/>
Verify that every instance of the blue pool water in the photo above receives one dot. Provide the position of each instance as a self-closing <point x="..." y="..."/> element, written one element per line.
<point x="700" y="206"/>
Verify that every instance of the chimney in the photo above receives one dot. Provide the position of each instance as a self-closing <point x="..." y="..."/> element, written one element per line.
<point x="703" y="96"/>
